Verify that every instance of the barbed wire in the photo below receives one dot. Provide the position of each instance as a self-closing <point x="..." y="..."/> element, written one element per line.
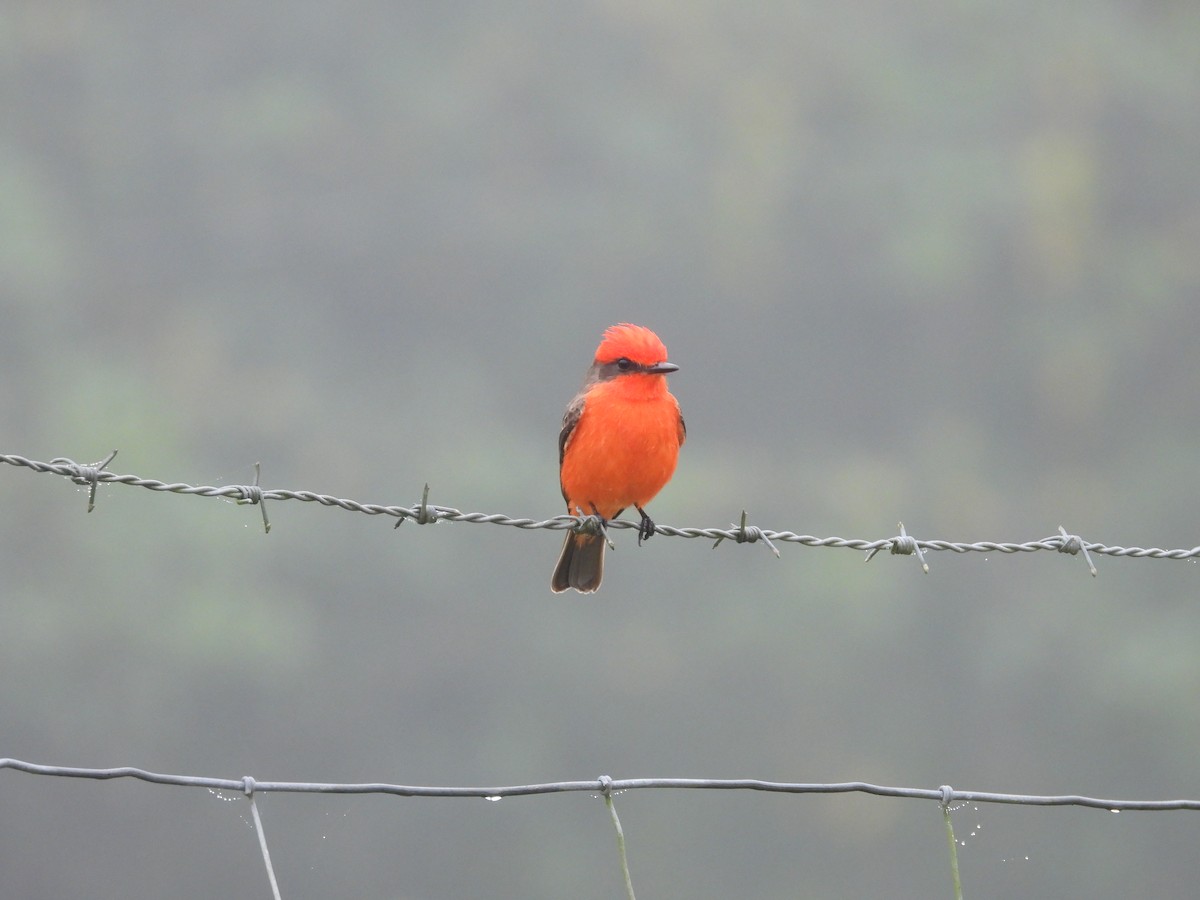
<point x="944" y="795"/>
<point x="424" y="513"/>
<point x="92" y="475"/>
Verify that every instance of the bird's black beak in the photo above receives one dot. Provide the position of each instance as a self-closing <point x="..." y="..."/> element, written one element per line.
<point x="662" y="368"/>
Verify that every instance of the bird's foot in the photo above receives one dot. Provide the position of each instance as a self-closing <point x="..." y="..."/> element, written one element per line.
<point x="646" y="527"/>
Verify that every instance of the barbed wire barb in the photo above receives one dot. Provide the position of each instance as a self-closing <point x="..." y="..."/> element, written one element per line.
<point x="596" y="525"/>
<point x="426" y="513"/>
<point x="902" y="545"/>
<point x="253" y="493"/>
<point x="1073" y="543"/>
<point x="422" y="513"/>
<point x="89" y="475"/>
<point x="748" y="534"/>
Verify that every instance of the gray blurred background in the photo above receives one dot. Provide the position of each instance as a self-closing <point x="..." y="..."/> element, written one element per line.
<point x="932" y="262"/>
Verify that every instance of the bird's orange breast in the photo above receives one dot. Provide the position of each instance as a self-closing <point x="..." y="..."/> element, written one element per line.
<point x="624" y="447"/>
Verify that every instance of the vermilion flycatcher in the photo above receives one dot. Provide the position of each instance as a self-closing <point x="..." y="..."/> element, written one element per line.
<point x="619" y="442"/>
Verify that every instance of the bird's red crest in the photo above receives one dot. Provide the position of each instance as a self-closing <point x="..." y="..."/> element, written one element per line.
<point x="633" y="342"/>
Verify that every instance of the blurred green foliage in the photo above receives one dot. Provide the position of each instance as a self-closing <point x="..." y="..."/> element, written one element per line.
<point x="933" y="263"/>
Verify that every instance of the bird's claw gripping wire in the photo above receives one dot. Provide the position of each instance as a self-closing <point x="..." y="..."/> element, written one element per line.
<point x="646" y="527"/>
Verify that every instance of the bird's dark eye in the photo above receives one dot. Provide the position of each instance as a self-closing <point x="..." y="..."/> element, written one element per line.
<point x="624" y="364"/>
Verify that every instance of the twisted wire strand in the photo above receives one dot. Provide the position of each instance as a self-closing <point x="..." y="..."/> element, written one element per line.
<point x="427" y="513"/>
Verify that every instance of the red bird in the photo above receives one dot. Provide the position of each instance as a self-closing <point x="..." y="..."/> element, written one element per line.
<point x="619" y="442"/>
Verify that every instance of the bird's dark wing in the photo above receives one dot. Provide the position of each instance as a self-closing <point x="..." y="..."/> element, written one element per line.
<point x="570" y="420"/>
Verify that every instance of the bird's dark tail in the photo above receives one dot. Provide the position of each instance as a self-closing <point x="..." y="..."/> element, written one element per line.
<point x="581" y="563"/>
